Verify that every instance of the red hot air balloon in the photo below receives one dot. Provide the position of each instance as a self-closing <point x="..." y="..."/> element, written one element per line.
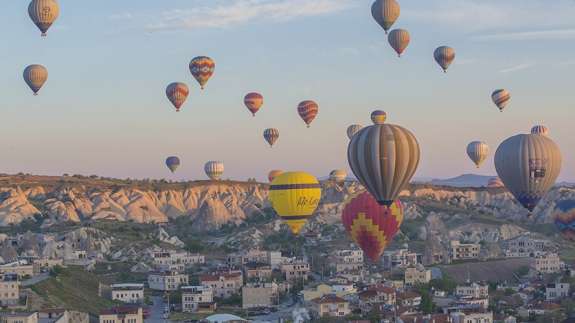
<point x="253" y="102"/>
<point x="308" y="111"/>
<point x="370" y="225"/>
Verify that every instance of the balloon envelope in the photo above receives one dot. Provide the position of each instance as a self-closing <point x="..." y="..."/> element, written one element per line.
<point x="444" y="56"/>
<point x="385" y="13"/>
<point x="528" y="165"/>
<point x="35" y="76"/>
<point x="353" y="129"/>
<point x="214" y="169"/>
<point x="478" y="152"/>
<point x="273" y="174"/>
<point x="253" y="102"/>
<point x="540" y="130"/>
<point x="295" y="196"/>
<point x="565" y="219"/>
<point x="501" y="98"/>
<point x="308" y="110"/>
<point x="399" y="40"/>
<point x="43" y="13"/>
<point x="271" y="135"/>
<point x="202" y="69"/>
<point x="370" y="225"/>
<point x="495" y="183"/>
<point x="338" y="175"/>
<point x="378" y="117"/>
<point x="177" y="93"/>
<point x="173" y="162"/>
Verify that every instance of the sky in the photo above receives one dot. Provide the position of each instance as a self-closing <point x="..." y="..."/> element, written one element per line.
<point x="103" y="109"/>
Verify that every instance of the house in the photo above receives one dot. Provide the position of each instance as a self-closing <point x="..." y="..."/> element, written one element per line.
<point x="347" y="260"/>
<point x="377" y="298"/>
<point x="547" y="263"/>
<point x="417" y="275"/>
<point x="409" y="299"/>
<point x="272" y="258"/>
<point x="429" y="318"/>
<point x="472" y="290"/>
<point x="174" y="260"/>
<point x="525" y="246"/>
<point x="257" y="272"/>
<point x="21" y="268"/>
<point x="296" y="270"/>
<point x="401" y="258"/>
<point x="330" y="306"/>
<point x="128" y="293"/>
<point x="19" y="317"/>
<point x="45" y="264"/>
<point x="9" y="289"/>
<point x="166" y="281"/>
<point x="62" y="316"/>
<point x="472" y="316"/>
<point x="122" y="314"/>
<point x="224" y="284"/>
<point x="198" y="299"/>
<point x="260" y="295"/>
<point x="324" y="289"/>
<point x="463" y="251"/>
<point x="556" y="291"/>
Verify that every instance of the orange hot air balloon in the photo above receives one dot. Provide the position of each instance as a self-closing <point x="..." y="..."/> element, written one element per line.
<point x="370" y="225"/>
<point x="274" y="173"/>
<point x="253" y="102"/>
<point x="308" y="111"/>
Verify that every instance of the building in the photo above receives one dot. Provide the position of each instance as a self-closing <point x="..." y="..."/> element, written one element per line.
<point x="547" y="263"/>
<point x="556" y="291"/>
<point x="472" y="290"/>
<point x="167" y="281"/>
<point x="123" y="314"/>
<point x="324" y="289"/>
<point x="223" y="285"/>
<point x="408" y="299"/>
<point x="376" y="296"/>
<point x="197" y="299"/>
<point x="19" y="318"/>
<point x="524" y="246"/>
<point x="45" y="264"/>
<point x="9" y="289"/>
<point x="330" y="306"/>
<point x="347" y="260"/>
<point x="20" y="268"/>
<point x="417" y="275"/>
<point x="260" y="295"/>
<point x="463" y="251"/>
<point x="257" y="272"/>
<point x="401" y="258"/>
<point x="174" y="260"/>
<point x="272" y="258"/>
<point x="296" y="270"/>
<point x="62" y="316"/>
<point x="128" y="293"/>
<point x="472" y="316"/>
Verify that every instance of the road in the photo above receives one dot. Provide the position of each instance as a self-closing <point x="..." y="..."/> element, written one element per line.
<point x="35" y="280"/>
<point x="157" y="311"/>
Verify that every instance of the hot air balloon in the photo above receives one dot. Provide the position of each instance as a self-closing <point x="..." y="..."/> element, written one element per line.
<point x="501" y="98"/>
<point x="477" y="152"/>
<point x="43" y="13"/>
<point x="540" y="130"/>
<point x="202" y="68"/>
<point x="177" y="93"/>
<point x="444" y="56"/>
<point x="495" y="182"/>
<point x="399" y="40"/>
<point x="528" y="165"/>
<point x="271" y="135"/>
<point x="35" y="76"/>
<point x="384" y="158"/>
<point x="308" y="111"/>
<point x="565" y="219"/>
<point x="338" y="175"/>
<point x="173" y="163"/>
<point x="385" y="13"/>
<point x="253" y="102"/>
<point x="353" y="129"/>
<point x="295" y="196"/>
<point x="274" y="173"/>
<point x="214" y="169"/>
<point x="370" y="225"/>
<point x="378" y="117"/>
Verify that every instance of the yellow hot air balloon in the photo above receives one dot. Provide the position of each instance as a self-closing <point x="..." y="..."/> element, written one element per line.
<point x="43" y="13"/>
<point x="295" y="196"/>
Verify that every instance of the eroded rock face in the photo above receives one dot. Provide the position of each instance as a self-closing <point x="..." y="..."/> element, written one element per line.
<point x="213" y="204"/>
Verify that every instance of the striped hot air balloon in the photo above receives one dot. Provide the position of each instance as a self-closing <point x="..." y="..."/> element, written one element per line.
<point x="399" y="40"/>
<point x="273" y="174"/>
<point x="444" y="56"/>
<point x="253" y="102"/>
<point x="173" y="162"/>
<point x="43" y="13"/>
<point x="528" y="165"/>
<point x="385" y="13"/>
<point x="177" y="93"/>
<point x="478" y="152"/>
<point x="214" y="169"/>
<point x="202" y="68"/>
<point x="540" y="130"/>
<point x="35" y="76"/>
<point x="271" y="135"/>
<point x="338" y="175"/>
<point x="564" y="219"/>
<point x="295" y="196"/>
<point x="495" y="182"/>
<point x="378" y="117"/>
<point x="384" y="158"/>
<point x="308" y="110"/>
<point x="501" y="98"/>
<point x="370" y="225"/>
<point x="353" y="129"/>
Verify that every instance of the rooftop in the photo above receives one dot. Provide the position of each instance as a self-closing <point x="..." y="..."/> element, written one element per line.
<point x="121" y="310"/>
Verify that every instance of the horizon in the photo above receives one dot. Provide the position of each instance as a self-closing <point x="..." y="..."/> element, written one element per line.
<point x="103" y="109"/>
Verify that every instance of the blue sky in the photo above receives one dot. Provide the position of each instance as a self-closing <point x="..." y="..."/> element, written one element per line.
<point x="103" y="110"/>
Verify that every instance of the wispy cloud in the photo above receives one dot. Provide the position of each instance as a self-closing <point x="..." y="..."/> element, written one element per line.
<point x="568" y="33"/>
<point x="518" y="67"/>
<point x="222" y="14"/>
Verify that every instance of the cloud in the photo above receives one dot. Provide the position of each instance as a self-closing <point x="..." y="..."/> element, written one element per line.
<point x="531" y="35"/>
<point x="121" y="16"/>
<point x="516" y="68"/>
<point x="222" y="14"/>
